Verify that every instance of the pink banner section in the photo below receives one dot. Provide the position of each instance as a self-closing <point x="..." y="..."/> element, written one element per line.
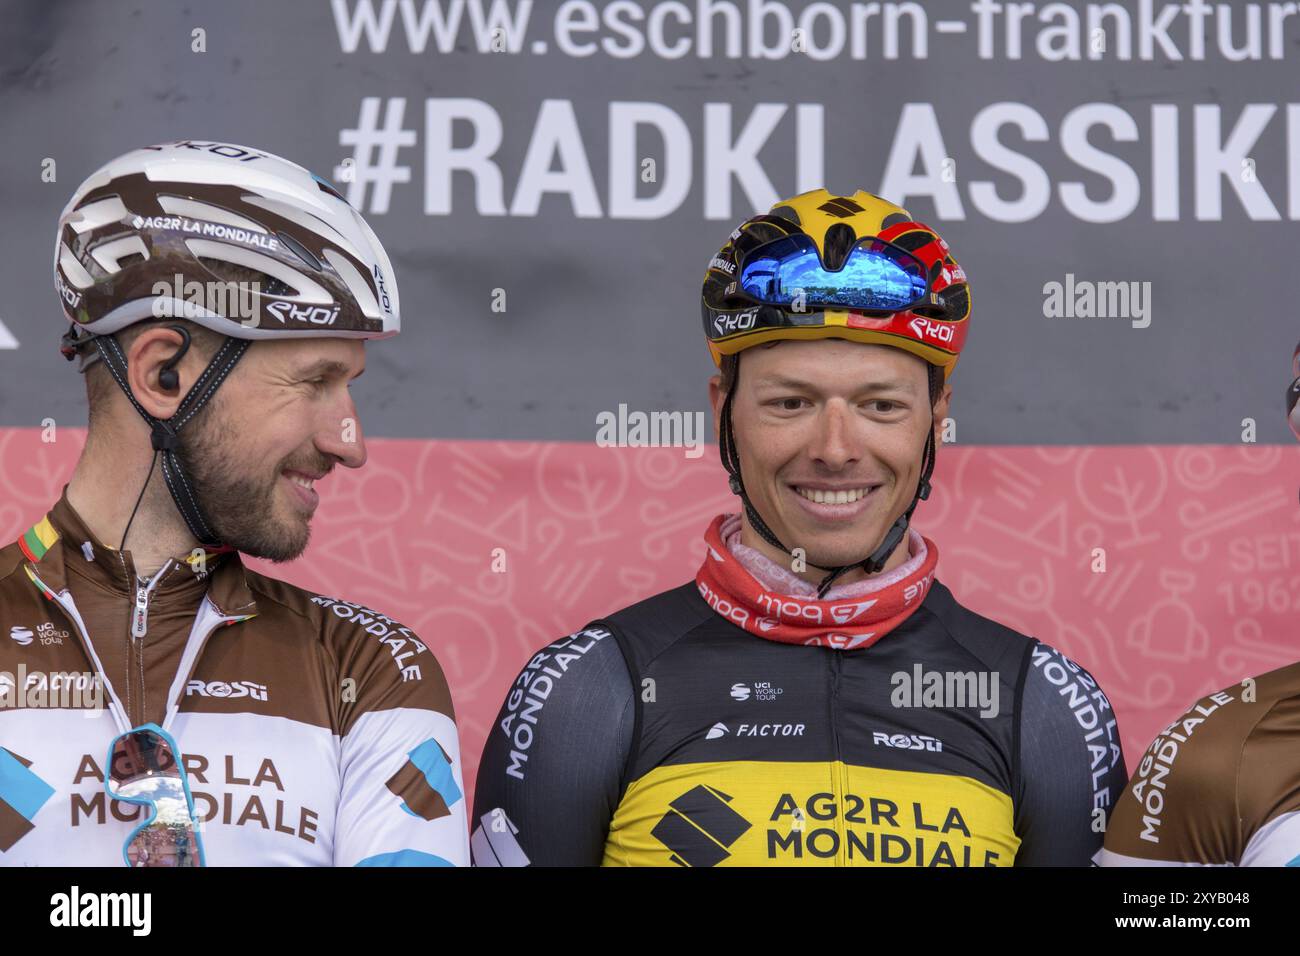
<point x="1168" y="572"/>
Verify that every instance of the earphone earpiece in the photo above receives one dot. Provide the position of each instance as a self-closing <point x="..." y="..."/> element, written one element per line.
<point x="169" y="378"/>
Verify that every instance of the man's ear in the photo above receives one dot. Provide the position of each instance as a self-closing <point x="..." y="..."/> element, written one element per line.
<point x="941" y="413"/>
<point x="147" y="356"/>
<point x="716" y="399"/>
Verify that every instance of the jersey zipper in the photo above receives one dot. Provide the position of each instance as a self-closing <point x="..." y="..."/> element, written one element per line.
<point x="837" y="767"/>
<point x="116" y="706"/>
<point x="135" y="644"/>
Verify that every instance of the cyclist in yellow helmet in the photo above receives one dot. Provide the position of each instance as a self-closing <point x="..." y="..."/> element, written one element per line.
<point x="814" y="696"/>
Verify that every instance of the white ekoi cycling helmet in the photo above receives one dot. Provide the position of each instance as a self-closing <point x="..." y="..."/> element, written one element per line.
<point x="148" y="234"/>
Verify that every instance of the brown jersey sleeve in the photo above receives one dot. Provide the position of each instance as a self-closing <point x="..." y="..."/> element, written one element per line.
<point x="1213" y="779"/>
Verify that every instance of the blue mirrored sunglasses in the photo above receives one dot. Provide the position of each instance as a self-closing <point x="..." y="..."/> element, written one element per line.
<point x="145" y="767"/>
<point x="877" y="276"/>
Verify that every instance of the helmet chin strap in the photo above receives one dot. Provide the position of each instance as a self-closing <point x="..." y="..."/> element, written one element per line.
<point x="871" y="564"/>
<point x="164" y="434"/>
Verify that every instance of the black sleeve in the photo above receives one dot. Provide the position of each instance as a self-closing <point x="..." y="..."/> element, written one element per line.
<point x="552" y="769"/>
<point x="1071" y="769"/>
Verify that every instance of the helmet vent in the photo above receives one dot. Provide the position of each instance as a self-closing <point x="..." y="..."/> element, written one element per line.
<point x="180" y="206"/>
<point x="299" y="250"/>
<point x="93" y="215"/>
<point x="839" y="240"/>
<point x="243" y="275"/>
<point x="115" y="253"/>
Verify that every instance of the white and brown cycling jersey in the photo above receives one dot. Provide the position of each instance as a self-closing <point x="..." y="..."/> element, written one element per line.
<point x="314" y="731"/>
<point x="1220" y="786"/>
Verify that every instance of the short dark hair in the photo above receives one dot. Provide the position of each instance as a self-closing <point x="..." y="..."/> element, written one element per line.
<point x="730" y="364"/>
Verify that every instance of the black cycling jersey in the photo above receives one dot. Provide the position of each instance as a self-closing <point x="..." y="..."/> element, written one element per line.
<point x="665" y="734"/>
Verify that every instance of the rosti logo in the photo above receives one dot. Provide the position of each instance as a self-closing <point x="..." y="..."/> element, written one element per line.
<point x="222" y="689"/>
<point x="906" y="741"/>
<point x="939" y="331"/>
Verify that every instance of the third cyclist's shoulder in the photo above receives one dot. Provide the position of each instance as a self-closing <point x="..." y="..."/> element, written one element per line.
<point x="1216" y="726"/>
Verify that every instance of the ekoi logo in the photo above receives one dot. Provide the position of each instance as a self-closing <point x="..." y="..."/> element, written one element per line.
<point x="699" y="827"/>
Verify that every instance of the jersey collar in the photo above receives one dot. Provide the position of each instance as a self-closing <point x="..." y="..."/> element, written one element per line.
<point x="61" y="544"/>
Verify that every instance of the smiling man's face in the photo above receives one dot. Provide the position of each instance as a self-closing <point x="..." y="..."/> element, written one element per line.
<point x="830" y="436"/>
<point x="283" y="419"/>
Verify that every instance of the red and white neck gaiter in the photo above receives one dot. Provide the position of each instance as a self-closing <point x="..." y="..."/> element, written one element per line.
<point x="845" y="624"/>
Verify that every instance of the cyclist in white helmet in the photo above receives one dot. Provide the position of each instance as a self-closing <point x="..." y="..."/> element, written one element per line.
<point x="219" y="298"/>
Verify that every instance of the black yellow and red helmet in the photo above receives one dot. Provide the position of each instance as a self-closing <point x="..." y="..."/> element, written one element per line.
<point x="867" y="271"/>
<point x="821" y="266"/>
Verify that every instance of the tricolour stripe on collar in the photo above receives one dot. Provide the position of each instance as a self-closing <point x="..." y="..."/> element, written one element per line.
<point x="38" y="539"/>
